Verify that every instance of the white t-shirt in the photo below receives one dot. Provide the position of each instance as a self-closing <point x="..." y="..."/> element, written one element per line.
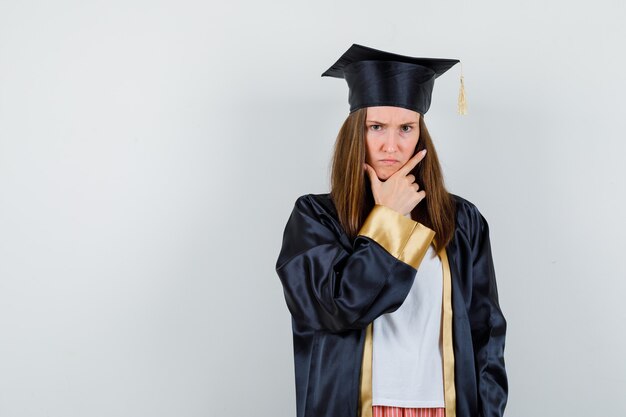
<point x="407" y="365"/>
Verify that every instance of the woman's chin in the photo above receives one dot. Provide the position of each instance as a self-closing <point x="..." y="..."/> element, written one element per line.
<point x="384" y="175"/>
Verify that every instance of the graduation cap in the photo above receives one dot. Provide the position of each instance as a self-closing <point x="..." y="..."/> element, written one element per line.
<point x="379" y="78"/>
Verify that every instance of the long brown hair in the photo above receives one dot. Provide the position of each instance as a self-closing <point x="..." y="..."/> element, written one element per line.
<point x="351" y="191"/>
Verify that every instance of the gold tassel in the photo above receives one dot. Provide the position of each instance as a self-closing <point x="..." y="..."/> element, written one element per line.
<point x="462" y="103"/>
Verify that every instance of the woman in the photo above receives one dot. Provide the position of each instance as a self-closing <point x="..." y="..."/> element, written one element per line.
<point x="389" y="278"/>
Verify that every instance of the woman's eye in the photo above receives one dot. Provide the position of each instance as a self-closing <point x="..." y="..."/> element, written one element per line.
<point x="373" y="127"/>
<point x="408" y="128"/>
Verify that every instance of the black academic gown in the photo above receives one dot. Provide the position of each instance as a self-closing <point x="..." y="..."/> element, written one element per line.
<point x="334" y="288"/>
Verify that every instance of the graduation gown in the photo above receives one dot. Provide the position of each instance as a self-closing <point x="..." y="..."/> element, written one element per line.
<point x="335" y="287"/>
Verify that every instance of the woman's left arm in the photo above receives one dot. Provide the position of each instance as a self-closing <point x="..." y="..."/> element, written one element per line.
<point x="488" y="325"/>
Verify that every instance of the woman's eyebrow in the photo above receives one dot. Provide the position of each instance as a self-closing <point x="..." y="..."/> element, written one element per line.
<point x="381" y="123"/>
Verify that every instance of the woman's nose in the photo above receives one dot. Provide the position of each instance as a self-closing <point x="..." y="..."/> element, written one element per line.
<point x="390" y="143"/>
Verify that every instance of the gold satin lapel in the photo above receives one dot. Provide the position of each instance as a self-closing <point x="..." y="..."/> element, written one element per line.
<point x="365" y="397"/>
<point x="448" y="349"/>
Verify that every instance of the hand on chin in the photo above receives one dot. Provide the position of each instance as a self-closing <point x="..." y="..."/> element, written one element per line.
<point x="384" y="173"/>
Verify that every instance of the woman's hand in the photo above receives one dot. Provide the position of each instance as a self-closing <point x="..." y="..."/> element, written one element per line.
<point x="399" y="192"/>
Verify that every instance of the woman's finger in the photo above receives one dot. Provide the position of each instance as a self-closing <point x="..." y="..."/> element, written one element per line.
<point x="371" y="173"/>
<point x="411" y="163"/>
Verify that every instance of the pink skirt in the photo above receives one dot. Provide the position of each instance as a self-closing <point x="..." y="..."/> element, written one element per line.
<point x="390" y="411"/>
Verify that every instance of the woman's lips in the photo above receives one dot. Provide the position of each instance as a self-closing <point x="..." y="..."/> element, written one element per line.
<point x="388" y="161"/>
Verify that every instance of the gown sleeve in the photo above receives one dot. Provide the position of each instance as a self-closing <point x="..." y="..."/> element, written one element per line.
<point x="488" y="326"/>
<point x="330" y="285"/>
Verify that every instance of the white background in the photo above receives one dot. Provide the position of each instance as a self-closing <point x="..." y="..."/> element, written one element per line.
<point x="151" y="152"/>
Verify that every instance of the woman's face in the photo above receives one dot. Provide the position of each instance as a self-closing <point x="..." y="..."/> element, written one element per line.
<point x="391" y="135"/>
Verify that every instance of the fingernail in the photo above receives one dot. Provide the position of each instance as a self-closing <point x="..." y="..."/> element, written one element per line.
<point x="424" y="151"/>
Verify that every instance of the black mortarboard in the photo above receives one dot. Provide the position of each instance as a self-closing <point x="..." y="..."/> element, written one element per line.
<point x="379" y="78"/>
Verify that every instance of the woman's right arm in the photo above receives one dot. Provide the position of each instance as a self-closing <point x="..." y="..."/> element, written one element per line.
<point x="329" y="287"/>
